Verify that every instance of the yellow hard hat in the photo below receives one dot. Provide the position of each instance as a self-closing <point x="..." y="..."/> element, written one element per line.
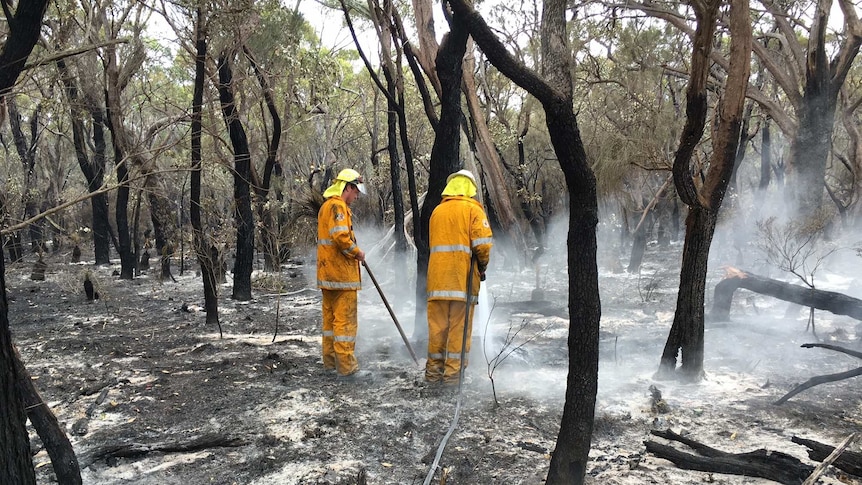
<point x="352" y="177"/>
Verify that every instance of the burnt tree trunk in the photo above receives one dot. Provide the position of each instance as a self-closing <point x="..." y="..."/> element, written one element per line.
<point x="122" y="149"/>
<point x="16" y="465"/>
<point x="639" y="243"/>
<point x="534" y="218"/>
<point x="837" y="303"/>
<point x="444" y="158"/>
<point x="101" y="212"/>
<point x="160" y="216"/>
<point x="687" y="333"/>
<point x="124" y="234"/>
<point x="394" y="90"/>
<point x="26" y="148"/>
<point x="555" y="91"/>
<point x="704" y="201"/>
<point x="243" y="215"/>
<point x="392" y="138"/>
<point x="205" y="260"/>
<point x="269" y="227"/>
<point x="59" y="448"/>
<point x="94" y="169"/>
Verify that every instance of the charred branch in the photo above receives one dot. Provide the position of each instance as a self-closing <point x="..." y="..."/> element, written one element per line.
<point x="133" y="449"/>
<point x="771" y="465"/>
<point x="834" y="302"/>
<point x="817" y="380"/>
<point x="848" y="461"/>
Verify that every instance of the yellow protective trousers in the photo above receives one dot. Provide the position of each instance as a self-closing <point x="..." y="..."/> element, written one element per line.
<point x="339" y="331"/>
<point x="445" y="334"/>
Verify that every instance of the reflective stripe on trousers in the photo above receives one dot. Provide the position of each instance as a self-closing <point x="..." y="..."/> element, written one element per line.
<point x="445" y="333"/>
<point x="339" y="331"/>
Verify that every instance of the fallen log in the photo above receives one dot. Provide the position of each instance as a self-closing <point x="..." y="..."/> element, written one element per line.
<point x="821" y="468"/>
<point x="771" y="465"/>
<point x="817" y="380"/>
<point x="134" y="449"/>
<point x="849" y="461"/>
<point x="831" y="301"/>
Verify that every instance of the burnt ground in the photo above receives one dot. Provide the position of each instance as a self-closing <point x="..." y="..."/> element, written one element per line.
<point x="149" y="394"/>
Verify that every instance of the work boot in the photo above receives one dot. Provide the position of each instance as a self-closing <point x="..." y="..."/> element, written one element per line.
<point x="358" y="376"/>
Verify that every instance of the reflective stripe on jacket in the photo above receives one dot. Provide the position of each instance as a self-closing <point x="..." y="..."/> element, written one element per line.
<point x="458" y="229"/>
<point x="337" y="268"/>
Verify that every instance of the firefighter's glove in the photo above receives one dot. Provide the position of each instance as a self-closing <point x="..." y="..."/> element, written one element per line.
<point x="481" y="276"/>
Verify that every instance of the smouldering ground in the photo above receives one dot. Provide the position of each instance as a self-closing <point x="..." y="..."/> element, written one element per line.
<point x="138" y="375"/>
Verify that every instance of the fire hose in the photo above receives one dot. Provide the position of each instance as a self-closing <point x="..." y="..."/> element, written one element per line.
<point x="460" y="400"/>
<point x="391" y="313"/>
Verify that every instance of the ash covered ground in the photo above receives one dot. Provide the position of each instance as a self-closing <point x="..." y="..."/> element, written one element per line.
<point x="149" y="394"/>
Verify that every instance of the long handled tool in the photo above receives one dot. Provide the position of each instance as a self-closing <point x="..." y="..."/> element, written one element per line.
<point x="391" y="313"/>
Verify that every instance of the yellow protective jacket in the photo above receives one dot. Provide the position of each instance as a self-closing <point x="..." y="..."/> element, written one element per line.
<point x="458" y="229"/>
<point x="337" y="268"/>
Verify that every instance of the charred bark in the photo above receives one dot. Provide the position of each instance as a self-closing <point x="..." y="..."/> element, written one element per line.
<point x="95" y="175"/>
<point x="207" y="263"/>
<point x="269" y="232"/>
<point x="16" y="465"/>
<point x="636" y="256"/>
<point x="772" y="465"/>
<point x="124" y="235"/>
<point x="444" y="157"/>
<point x="831" y="301"/>
<point x="59" y="448"/>
<point x="160" y="216"/>
<point x="180" y="445"/>
<point x="534" y="218"/>
<point x="392" y="128"/>
<point x="554" y="90"/>
<point x="848" y="461"/>
<point x="121" y="147"/>
<point x="704" y="202"/>
<point x="94" y="169"/>
<point x="687" y="332"/>
<point x="243" y="215"/>
<point x="26" y="148"/>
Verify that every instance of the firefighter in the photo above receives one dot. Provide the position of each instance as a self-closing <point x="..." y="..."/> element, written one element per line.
<point x="338" y="258"/>
<point x="458" y="231"/>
